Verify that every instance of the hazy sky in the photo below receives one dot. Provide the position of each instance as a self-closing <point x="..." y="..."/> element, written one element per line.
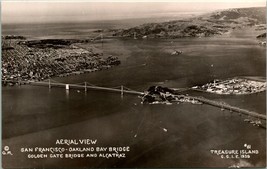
<point x="69" y="11"/>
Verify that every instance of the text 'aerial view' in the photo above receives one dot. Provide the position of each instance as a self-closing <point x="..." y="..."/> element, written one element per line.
<point x="125" y="84"/>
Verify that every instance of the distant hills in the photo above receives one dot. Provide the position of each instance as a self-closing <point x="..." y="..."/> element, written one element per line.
<point x="215" y="23"/>
<point x="254" y="15"/>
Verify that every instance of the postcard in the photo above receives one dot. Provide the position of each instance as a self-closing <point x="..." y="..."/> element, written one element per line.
<point x="133" y="84"/>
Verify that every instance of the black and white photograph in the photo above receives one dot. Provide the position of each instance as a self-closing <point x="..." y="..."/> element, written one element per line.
<point x="133" y="84"/>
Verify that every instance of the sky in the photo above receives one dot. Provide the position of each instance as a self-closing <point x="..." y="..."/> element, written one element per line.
<point x="73" y="11"/>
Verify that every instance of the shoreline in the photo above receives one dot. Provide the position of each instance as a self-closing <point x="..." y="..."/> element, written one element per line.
<point x="42" y="59"/>
<point x="240" y="85"/>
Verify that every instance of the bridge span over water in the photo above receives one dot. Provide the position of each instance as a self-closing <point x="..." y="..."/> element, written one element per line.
<point x="125" y="90"/>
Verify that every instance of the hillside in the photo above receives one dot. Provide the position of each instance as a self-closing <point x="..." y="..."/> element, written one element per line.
<point x="254" y="15"/>
<point x="215" y="23"/>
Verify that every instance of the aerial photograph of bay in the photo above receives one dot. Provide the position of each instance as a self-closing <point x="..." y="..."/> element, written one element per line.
<point x="133" y="84"/>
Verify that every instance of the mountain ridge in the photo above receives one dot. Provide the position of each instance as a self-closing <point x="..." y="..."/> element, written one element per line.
<point x="210" y="24"/>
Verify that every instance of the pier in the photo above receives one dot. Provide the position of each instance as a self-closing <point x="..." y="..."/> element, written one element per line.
<point x="125" y="90"/>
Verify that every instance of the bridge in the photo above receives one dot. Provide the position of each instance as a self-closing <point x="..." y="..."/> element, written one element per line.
<point x="229" y="107"/>
<point x="85" y="86"/>
<point x="125" y="90"/>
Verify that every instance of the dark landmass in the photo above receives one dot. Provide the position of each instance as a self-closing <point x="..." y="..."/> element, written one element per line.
<point x="215" y="23"/>
<point x="52" y="43"/>
<point x="164" y="95"/>
<point x="262" y="39"/>
<point x="13" y="37"/>
<point x="37" y="60"/>
<point x="47" y="43"/>
<point x="99" y="31"/>
<point x="262" y="35"/>
<point x="7" y="48"/>
<point x="158" y="93"/>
